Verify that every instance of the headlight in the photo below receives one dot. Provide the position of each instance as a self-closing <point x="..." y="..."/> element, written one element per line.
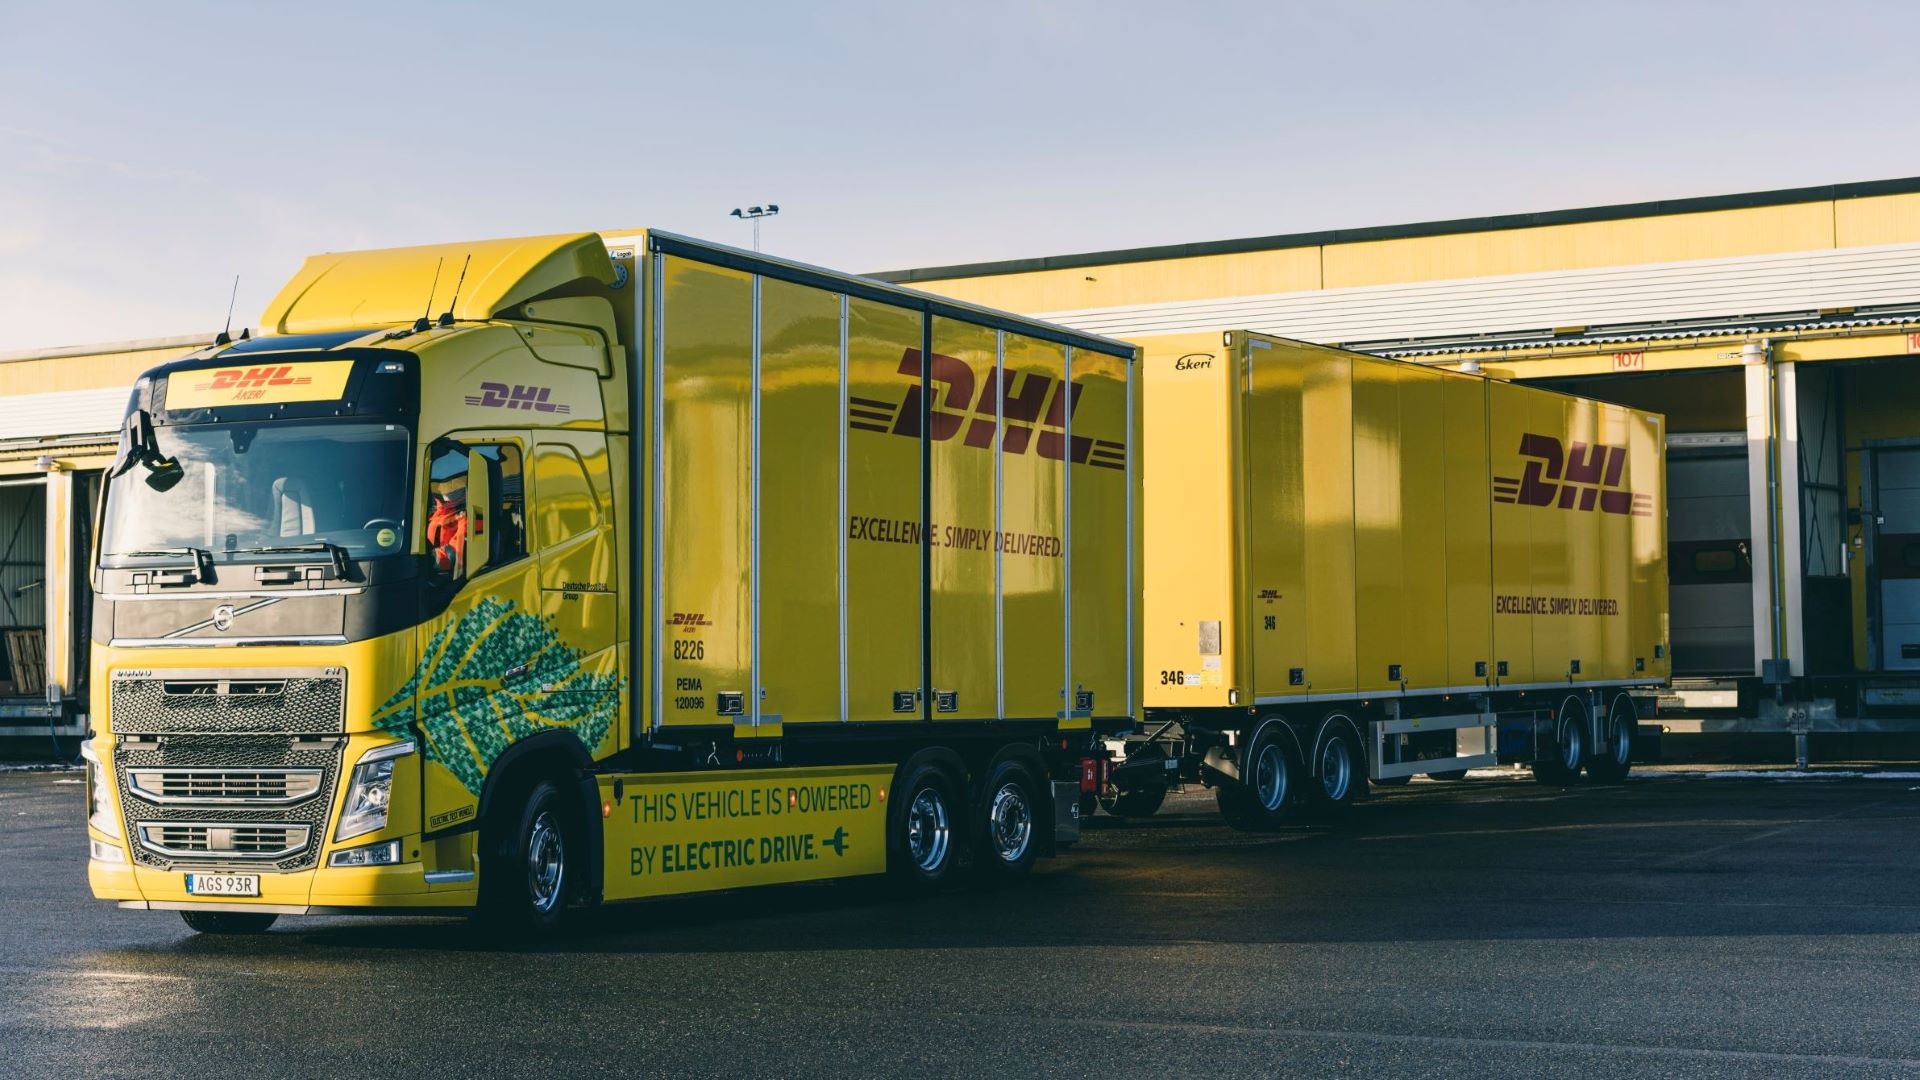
<point x="369" y="791"/>
<point x="99" y="803"/>
<point x="382" y="854"/>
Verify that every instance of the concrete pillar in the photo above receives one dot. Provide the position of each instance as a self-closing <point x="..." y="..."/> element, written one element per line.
<point x="59" y="587"/>
<point x="1773" y="488"/>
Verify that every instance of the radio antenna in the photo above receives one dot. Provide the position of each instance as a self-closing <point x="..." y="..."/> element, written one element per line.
<point x="447" y="319"/>
<point x="422" y="323"/>
<point x="225" y="336"/>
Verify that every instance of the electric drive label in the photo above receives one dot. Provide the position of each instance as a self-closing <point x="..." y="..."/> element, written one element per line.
<point x="699" y="832"/>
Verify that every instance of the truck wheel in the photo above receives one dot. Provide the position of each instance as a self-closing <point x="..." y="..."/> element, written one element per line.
<point x="1138" y="803"/>
<point x="526" y="874"/>
<point x="1263" y="798"/>
<point x="922" y="826"/>
<point x="1007" y="821"/>
<point x="1449" y="776"/>
<point x="1613" y="758"/>
<point x="228" y="922"/>
<point x="1338" y="774"/>
<point x="1561" y="759"/>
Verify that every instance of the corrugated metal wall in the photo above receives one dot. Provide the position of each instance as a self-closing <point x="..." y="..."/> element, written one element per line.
<point x="23" y="556"/>
<point x="1607" y="296"/>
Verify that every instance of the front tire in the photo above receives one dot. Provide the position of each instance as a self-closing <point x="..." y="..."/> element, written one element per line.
<point x="1263" y="799"/>
<point x="228" y="922"/>
<point x="923" y="828"/>
<point x="527" y="873"/>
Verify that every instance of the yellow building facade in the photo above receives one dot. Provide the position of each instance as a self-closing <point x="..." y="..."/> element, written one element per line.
<point x="60" y="412"/>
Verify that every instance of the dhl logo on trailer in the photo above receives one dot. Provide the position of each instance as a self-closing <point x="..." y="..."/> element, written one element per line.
<point x="1587" y="473"/>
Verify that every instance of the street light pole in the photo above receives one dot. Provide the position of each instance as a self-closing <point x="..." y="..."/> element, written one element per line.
<point x="754" y="214"/>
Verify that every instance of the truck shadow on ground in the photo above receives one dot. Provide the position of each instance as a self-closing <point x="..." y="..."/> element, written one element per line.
<point x="1519" y="864"/>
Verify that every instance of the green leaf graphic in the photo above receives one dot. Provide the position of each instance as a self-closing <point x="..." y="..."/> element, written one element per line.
<point x="469" y="716"/>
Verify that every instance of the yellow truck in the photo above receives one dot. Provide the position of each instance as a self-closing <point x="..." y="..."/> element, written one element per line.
<point x="1360" y="568"/>
<point x="522" y="575"/>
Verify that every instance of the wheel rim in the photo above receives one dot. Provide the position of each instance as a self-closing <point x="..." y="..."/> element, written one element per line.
<point x="927" y="831"/>
<point x="1270" y="777"/>
<point x="1571" y="738"/>
<point x="1336" y="768"/>
<point x="1012" y="822"/>
<point x="546" y="862"/>
<point x="1624" y="721"/>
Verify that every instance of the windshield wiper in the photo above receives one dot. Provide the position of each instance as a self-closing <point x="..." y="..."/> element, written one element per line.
<point x="335" y="554"/>
<point x="202" y="560"/>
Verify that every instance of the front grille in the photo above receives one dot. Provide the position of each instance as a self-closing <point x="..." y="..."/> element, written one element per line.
<point x="218" y="786"/>
<point x="204" y="756"/>
<point x="308" y="702"/>
<point x="223" y="840"/>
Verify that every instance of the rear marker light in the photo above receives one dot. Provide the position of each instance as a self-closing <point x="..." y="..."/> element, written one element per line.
<point x="606" y="809"/>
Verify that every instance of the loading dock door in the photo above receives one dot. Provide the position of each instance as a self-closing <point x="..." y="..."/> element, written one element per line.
<point x="1890" y="495"/>
<point x="1709" y="555"/>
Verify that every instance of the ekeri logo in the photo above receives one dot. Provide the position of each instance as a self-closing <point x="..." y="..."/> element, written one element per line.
<point x="1193" y="362"/>
<point x="1585" y="477"/>
<point x="1032" y="401"/>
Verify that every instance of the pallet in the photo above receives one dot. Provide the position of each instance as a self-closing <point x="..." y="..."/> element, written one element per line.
<point x="27" y="654"/>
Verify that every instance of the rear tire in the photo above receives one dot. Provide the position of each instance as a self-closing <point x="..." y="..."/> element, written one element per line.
<point x="228" y="922"/>
<point x="923" y="828"/>
<point x="1450" y="776"/>
<point x="1007" y="822"/>
<point x="527" y="873"/>
<point x="1613" y="758"/>
<point x="1563" y="757"/>
<point x="1263" y="799"/>
<point x="1340" y="769"/>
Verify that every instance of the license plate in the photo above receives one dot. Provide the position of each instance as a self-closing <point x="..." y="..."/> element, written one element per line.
<point x="223" y="884"/>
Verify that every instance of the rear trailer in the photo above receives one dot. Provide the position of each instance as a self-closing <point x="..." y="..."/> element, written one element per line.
<point x="1360" y="568"/>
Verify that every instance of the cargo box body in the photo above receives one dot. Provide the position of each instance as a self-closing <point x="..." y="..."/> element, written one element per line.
<point x="868" y="506"/>
<point x="1323" y="525"/>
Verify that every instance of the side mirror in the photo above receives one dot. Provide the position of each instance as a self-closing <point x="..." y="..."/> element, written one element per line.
<point x="138" y="446"/>
<point x="479" y="512"/>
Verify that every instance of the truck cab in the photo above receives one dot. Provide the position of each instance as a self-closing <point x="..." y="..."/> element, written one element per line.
<point x="343" y="570"/>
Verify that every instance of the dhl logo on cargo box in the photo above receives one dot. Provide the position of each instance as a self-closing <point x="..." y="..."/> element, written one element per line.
<point x="1587" y="476"/>
<point x="263" y="384"/>
<point x="1032" y="400"/>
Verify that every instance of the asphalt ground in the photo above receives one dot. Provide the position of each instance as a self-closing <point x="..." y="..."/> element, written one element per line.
<point x="1677" y="926"/>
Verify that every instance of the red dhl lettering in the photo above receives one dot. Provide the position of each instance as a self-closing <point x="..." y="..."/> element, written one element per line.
<point x="969" y="408"/>
<point x="1584" y="477"/>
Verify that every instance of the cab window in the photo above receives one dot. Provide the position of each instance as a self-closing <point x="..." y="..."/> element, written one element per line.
<point x="449" y="517"/>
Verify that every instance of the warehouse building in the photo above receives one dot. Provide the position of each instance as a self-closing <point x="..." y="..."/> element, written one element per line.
<point x="1779" y="331"/>
<point x="60" y="413"/>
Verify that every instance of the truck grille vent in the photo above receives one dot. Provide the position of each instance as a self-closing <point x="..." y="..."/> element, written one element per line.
<point x="186" y="703"/>
<point x="229" y="840"/>
<point x="219" y="786"/>
<point x="259" y="764"/>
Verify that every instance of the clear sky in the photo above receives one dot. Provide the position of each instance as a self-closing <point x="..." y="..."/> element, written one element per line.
<point x="149" y="152"/>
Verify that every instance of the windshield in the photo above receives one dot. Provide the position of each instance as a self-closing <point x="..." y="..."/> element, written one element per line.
<point x="266" y="485"/>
